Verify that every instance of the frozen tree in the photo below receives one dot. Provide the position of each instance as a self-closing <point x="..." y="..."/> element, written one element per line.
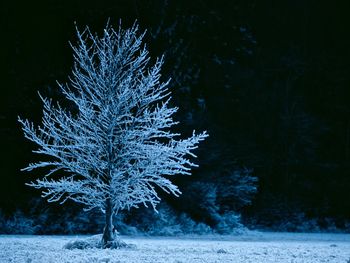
<point x="115" y="147"/>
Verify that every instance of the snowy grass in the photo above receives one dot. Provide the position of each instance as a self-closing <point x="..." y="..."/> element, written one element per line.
<point x="96" y="242"/>
<point x="253" y="247"/>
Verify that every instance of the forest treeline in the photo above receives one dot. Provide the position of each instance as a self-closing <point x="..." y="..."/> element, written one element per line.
<point x="268" y="80"/>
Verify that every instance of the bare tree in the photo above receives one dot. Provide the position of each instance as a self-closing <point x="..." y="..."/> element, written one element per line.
<point x="116" y="146"/>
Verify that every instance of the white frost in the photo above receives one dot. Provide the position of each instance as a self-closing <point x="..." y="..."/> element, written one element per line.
<point x="254" y="247"/>
<point x="115" y="142"/>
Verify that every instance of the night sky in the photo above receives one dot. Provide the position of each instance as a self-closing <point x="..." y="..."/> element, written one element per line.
<point x="269" y="80"/>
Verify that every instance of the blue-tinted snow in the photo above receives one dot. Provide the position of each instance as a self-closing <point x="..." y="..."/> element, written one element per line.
<point x="253" y="247"/>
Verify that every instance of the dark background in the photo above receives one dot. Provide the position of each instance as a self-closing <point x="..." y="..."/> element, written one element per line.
<point x="269" y="80"/>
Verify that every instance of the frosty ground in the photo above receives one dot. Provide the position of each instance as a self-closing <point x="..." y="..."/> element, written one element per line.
<point x="254" y="247"/>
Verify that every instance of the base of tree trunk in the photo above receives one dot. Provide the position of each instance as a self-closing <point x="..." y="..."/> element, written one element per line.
<point x="96" y="242"/>
<point x="115" y="244"/>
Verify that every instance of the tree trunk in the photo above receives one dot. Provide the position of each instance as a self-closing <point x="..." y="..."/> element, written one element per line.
<point x="108" y="231"/>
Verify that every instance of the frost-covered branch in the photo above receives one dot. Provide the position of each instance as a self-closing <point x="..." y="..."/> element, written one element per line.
<point x="117" y="145"/>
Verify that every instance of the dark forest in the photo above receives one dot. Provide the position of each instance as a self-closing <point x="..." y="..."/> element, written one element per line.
<point x="268" y="80"/>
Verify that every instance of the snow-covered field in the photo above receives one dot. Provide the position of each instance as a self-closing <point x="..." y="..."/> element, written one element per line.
<point x="254" y="247"/>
